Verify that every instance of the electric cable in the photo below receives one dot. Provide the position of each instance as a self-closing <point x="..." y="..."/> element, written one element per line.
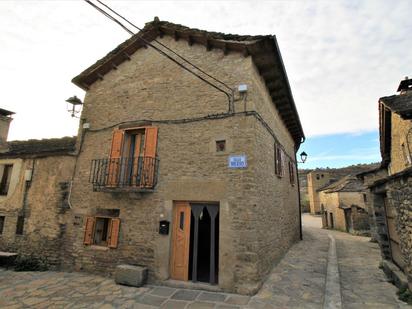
<point x="229" y="95"/>
<point x="166" y="47"/>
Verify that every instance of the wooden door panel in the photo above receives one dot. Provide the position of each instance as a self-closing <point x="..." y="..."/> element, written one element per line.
<point x="179" y="266"/>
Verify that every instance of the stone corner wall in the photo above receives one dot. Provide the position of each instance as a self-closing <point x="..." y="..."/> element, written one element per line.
<point x="42" y="202"/>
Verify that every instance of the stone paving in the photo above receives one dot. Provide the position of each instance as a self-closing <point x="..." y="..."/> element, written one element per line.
<point x="298" y="281"/>
<point x="363" y="284"/>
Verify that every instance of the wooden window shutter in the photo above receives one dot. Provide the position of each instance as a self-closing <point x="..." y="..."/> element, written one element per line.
<point x="291" y="172"/>
<point x="149" y="163"/>
<point x="88" y="231"/>
<point x="150" y="142"/>
<point x="115" y="157"/>
<point x="279" y="158"/>
<point x="113" y="233"/>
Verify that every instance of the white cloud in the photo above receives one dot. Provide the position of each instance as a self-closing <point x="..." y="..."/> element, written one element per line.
<point x="340" y="56"/>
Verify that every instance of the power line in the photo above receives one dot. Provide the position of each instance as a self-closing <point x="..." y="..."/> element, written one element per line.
<point x="229" y="95"/>
<point x="165" y="46"/>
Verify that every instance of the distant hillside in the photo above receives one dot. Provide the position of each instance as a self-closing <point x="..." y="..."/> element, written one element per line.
<point x="337" y="172"/>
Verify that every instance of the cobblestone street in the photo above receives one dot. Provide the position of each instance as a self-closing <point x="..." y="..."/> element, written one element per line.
<point x="298" y="281"/>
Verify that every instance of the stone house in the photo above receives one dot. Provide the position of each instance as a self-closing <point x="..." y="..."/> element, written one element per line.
<point x="368" y="178"/>
<point x="35" y="179"/>
<point x="316" y="180"/>
<point x="343" y="205"/>
<point x="391" y="195"/>
<point x="171" y="176"/>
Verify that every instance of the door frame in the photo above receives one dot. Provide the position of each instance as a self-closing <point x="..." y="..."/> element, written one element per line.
<point x="194" y="209"/>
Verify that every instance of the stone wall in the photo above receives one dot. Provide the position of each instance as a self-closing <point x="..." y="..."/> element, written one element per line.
<point x="369" y="179"/>
<point x="316" y="180"/>
<point x="360" y="220"/>
<point x="336" y="203"/>
<point x="399" y="195"/>
<point x="258" y="212"/>
<point x="42" y="201"/>
<point x="401" y="144"/>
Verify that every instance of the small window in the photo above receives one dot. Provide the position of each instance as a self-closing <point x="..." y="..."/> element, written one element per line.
<point x="20" y="225"/>
<point x="2" y="219"/>
<point x="5" y="179"/>
<point x="220" y="146"/>
<point x="317" y="176"/>
<point x="364" y="197"/>
<point x="101" y="231"/>
<point x="321" y="176"/>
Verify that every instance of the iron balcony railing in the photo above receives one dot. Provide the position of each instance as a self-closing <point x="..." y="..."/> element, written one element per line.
<point x="136" y="174"/>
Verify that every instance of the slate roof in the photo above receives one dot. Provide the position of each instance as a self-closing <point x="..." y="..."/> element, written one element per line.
<point x="400" y="104"/>
<point x="371" y="171"/>
<point x="42" y="147"/>
<point x="406" y="173"/>
<point x="263" y="49"/>
<point x="346" y="184"/>
<point x="5" y="112"/>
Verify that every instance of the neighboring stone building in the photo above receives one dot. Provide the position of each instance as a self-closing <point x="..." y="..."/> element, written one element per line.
<point x="315" y="180"/>
<point x="368" y="178"/>
<point x="392" y="197"/>
<point x="157" y="146"/>
<point x="343" y="206"/>
<point x="35" y="179"/>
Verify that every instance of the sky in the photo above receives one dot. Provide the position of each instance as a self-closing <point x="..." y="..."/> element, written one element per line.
<point x="340" y="57"/>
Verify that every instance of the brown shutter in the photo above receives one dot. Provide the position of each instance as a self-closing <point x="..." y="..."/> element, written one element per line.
<point x="291" y="172"/>
<point x="88" y="231"/>
<point x="150" y="143"/>
<point x="279" y="161"/>
<point x="149" y="157"/>
<point x="113" y="233"/>
<point x="115" y="157"/>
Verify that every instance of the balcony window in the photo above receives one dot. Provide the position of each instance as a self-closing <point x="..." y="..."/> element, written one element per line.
<point x="132" y="163"/>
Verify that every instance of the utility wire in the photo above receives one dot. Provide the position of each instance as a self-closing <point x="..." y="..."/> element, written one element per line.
<point x="229" y="95"/>
<point x="166" y="47"/>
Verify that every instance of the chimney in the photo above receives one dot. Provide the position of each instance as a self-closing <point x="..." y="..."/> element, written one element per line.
<point x="5" y="119"/>
<point x="405" y="86"/>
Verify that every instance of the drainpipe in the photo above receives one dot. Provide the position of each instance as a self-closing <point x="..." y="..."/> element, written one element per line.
<point x="27" y="184"/>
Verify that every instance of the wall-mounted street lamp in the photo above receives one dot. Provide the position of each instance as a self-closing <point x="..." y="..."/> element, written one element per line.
<point x="303" y="157"/>
<point x="76" y="106"/>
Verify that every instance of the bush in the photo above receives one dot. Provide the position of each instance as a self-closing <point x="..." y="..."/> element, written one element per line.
<point x="30" y="263"/>
<point x="405" y="295"/>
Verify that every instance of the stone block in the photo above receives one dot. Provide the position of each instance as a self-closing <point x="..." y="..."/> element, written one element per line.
<point x="394" y="274"/>
<point x="130" y="275"/>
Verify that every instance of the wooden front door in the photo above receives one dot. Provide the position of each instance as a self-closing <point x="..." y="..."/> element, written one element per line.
<point x="179" y="263"/>
<point x="393" y="236"/>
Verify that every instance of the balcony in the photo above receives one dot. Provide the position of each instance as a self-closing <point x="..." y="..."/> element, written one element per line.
<point x="124" y="174"/>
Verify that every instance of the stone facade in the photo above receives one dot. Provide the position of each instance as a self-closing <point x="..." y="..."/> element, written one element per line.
<point x="343" y="205"/>
<point x="401" y="144"/>
<point x="258" y="220"/>
<point x="259" y="211"/>
<point x="316" y="180"/>
<point x="38" y="193"/>
<point x="391" y="186"/>
<point x="368" y="178"/>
